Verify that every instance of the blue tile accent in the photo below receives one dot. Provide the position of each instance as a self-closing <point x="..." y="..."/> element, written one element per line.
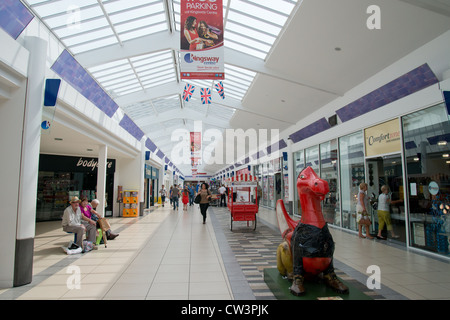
<point x="73" y="73"/>
<point x="131" y="127"/>
<point x="14" y="17"/>
<point x="442" y="137"/>
<point x="410" y="145"/>
<point x="414" y="81"/>
<point x="446" y="95"/>
<point x="311" y="130"/>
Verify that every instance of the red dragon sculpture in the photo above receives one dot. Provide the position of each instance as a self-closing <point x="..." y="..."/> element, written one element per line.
<point x="308" y="246"/>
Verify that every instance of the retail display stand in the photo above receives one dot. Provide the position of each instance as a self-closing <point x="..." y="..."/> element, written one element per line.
<point x="130" y="203"/>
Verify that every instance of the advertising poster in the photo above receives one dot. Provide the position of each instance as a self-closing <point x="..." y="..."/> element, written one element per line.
<point x="201" y="40"/>
<point x="196" y="149"/>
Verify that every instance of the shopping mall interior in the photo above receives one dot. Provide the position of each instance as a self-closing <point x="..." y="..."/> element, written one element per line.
<point x="294" y="113"/>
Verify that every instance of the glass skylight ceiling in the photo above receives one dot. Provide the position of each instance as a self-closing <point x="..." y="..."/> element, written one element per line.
<point x="251" y="28"/>
<point x="85" y="25"/>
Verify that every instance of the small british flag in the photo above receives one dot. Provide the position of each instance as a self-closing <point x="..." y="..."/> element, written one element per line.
<point x="205" y="94"/>
<point x="220" y="89"/>
<point x="188" y="92"/>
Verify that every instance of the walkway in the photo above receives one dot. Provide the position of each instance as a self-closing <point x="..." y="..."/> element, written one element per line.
<point x="168" y="254"/>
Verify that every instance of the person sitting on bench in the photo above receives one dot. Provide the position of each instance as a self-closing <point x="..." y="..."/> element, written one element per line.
<point x="94" y="203"/>
<point x="72" y="222"/>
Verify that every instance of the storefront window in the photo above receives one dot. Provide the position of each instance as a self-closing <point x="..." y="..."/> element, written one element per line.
<point x="61" y="178"/>
<point x="312" y="158"/>
<point x="351" y="156"/>
<point x="426" y="138"/>
<point x="265" y="186"/>
<point x="299" y="165"/>
<point x="329" y="172"/>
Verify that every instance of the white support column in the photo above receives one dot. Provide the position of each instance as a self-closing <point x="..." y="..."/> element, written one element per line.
<point x="101" y="179"/>
<point x="29" y="161"/>
<point x="291" y="172"/>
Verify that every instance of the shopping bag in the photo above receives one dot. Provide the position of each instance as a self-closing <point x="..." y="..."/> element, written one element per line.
<point x="104" y="224"/>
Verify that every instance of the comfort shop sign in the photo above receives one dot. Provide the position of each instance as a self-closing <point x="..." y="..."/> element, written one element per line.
<point x="73" y="164"/>
<point x="383" y="138"/>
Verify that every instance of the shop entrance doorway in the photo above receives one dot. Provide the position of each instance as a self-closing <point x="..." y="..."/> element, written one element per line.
<point x="387" y="171"/>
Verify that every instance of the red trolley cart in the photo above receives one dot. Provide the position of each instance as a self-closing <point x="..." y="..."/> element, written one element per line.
<point x="240" y="203"/>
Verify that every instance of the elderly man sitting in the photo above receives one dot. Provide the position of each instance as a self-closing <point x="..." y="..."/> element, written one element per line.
<point x="72" y="222"/>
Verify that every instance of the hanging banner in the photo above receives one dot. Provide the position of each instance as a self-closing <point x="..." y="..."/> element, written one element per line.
<point x="201" y="40"/>
<point x="196" y="149"/>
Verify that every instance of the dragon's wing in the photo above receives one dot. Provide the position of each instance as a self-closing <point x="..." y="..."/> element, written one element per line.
<point x="285" y="222"/>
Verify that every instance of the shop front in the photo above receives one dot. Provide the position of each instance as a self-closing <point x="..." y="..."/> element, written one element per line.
<point x="151" y="186"/>
<point x="410" y="157"/>
<point x="271" y="178"/>
<point x="63" y="177"/>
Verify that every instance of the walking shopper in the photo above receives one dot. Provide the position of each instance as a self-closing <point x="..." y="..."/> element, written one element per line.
<point x="175" y="195"/>
<point x="223" y="196"/>
<point x="163" y="193"/>
<point x="204" y="202"/>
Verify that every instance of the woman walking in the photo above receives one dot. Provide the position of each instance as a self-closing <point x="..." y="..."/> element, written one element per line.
<point x="204" y="202"/>
<point x="185" y="198"/>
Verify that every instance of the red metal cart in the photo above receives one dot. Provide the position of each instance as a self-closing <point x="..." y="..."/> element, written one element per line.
<point x="240" y="203"/>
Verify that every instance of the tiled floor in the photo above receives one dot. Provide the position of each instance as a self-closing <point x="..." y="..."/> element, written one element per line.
<point x="171" y="255"/>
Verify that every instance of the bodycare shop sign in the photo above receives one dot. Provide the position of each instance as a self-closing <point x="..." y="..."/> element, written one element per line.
<point x="201" y="40"/>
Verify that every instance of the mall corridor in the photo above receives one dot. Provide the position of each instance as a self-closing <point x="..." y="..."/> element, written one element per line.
<point x="171" y="255"/>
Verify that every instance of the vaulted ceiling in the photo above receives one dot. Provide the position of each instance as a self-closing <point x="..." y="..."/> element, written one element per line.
<point x="284" y="59"/>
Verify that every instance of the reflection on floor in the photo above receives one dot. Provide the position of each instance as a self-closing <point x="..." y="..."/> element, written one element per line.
<point x="168" y="254"/>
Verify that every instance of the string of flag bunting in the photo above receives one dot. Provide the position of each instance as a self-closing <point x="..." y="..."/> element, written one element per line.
<point x="205" y="93"/>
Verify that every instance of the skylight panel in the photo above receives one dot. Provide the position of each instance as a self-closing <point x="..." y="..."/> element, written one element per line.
<point x="129" y="91"/>
<point x="116" y="75"/>
<point x="158" y="81"/>
<point x="112" y="82"/>
<point x="89" y="36"/>
<point x="157" y="74"/>
<point x="125" y="87"/>
<point x="281" y="6"/>
<point x="154" y="11"/>
<point x="254" y="44"/>
<point x="99" y="43"/>
<point x="238" y="47"/>
<point x="109" y="65"/>
<point x="145" y="71"/>
<point x="250" y="32"/>
<point x="260" y="12"/>
<point x="141" y="32"/>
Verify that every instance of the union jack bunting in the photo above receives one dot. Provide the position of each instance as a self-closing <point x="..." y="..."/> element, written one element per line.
<point x="220" y="89"/>
<point x="205" y="94"/>
<point x="188" y="92"/>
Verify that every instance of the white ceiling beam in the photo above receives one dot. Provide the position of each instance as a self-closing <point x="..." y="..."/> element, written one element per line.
<point x="171" y="41"/>
<point x="177" y="88"/>
<point x="187" y="114"/>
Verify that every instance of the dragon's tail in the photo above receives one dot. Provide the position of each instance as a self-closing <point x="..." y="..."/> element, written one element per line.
<point x="285" y="222"/>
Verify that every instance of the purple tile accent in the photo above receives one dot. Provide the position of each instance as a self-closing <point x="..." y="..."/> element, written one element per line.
<point x="131" y="127"/>
<point x="166" y="161"/>
<point x="311" y="130"/>
<point x="161" y="155"/>
<point x="150" y="145"/>
<point x="276" y="146"/>
<point x="415" y="80"/>
<point x="73" y="73"/>
<point x="14" y="17"/>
